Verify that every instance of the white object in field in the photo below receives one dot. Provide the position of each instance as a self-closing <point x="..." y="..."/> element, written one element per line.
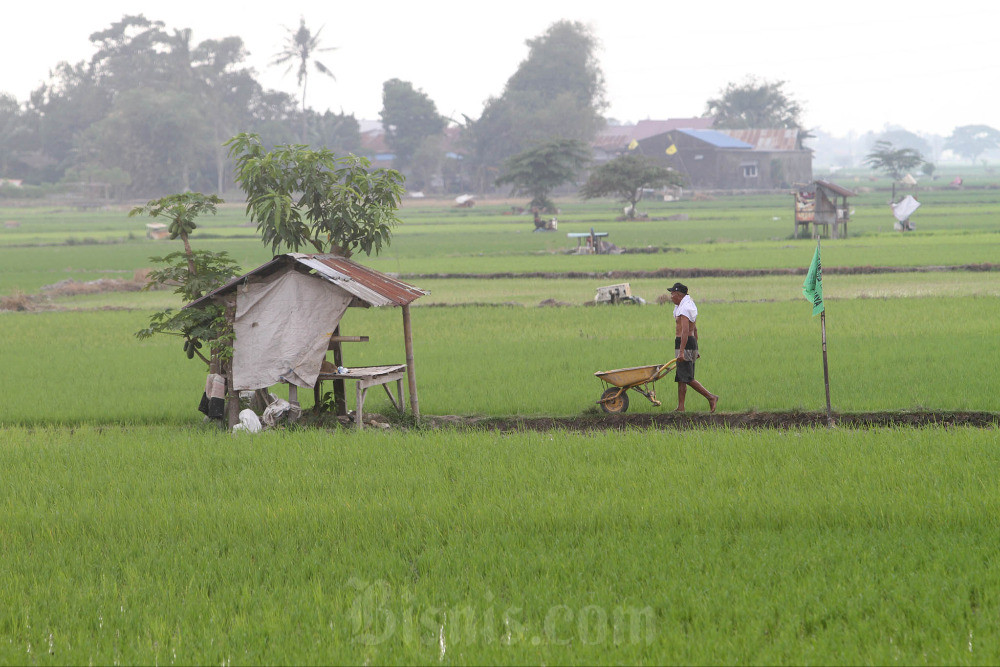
<point x="613" y="292"/>
<point x="903" y="209"/>
<point x="275" y="411"/>
<point x="249" y="422"/>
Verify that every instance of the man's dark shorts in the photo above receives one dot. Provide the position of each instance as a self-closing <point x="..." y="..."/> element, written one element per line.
<point x="684" y="371"/>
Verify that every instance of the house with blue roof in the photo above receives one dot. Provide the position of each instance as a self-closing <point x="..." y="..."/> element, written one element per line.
<point x="717" y="159"/>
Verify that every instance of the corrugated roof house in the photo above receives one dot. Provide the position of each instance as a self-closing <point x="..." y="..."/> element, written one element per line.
<point x="755" y="159"/>
<point x="614" y="140"/>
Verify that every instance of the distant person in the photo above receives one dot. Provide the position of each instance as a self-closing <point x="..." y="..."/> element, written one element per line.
<point x="686" y="347"/>
<point x="539" y="224"/>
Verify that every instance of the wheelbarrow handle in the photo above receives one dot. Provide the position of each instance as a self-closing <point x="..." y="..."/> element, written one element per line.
<point x="664" y="369"/>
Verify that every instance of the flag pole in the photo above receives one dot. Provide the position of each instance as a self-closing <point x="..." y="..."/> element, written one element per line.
<point x="812" y="289"/>
<point x="826" y="366"/>
<point x="826" y="369"/>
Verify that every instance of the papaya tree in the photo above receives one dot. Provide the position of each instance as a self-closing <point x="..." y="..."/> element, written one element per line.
<point x="192" y="273"/>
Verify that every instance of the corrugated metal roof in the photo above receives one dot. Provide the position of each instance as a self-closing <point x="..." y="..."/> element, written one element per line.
<point x="616" y="137"/>
<point x="368" y="285"/>
<point x="650" y="128"/>
<point x="716" y="138"/>
<point x="843" y="192"/>
<point x="777" y="139"/>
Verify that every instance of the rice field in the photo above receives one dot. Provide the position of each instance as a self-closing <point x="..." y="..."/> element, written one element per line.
<point x="885" y="354"/>
<point x="159" y="545"/>
<point x="134" y="534"/>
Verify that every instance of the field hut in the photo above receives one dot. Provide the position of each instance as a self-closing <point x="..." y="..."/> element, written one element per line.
<point x="157" y="231"/>
<point x="286" y="317"/>
<point x="823" y="205"/>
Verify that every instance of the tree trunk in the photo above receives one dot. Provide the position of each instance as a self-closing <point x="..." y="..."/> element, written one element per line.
<point x="189" y="253"/>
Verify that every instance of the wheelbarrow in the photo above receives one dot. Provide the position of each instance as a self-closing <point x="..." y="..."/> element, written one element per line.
<point x="640" y="378"/>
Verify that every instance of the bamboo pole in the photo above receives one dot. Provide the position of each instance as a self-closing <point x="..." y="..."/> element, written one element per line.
<point x="826" y="369"/>
<point x="411" y="377"/>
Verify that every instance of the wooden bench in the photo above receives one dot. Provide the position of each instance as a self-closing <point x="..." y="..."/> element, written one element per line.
<point x="371" y="376"/>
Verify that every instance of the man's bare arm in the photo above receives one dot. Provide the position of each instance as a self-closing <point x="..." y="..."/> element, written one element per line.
<point x="685" y="326"/>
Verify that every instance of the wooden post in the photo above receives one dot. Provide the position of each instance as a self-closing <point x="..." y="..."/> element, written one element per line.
<point x="339" y="393"/>
<point x="411" y="378"/>
<point x="232" y="396"/>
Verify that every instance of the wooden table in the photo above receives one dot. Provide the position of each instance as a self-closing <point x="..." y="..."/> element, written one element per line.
<point x="371" y="376"/>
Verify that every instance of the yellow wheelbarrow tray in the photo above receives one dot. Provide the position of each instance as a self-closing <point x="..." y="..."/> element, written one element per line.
<point x="639" y="378"/>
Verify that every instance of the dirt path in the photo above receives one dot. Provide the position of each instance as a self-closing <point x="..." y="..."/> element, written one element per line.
<point x="667" y="421"/>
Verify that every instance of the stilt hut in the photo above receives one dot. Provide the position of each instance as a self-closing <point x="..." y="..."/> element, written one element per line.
<point x="823" y="205"/>
<point x="286" y="316"/>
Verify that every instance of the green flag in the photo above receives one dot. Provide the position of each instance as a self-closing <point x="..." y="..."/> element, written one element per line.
<point x="813" y="286"/>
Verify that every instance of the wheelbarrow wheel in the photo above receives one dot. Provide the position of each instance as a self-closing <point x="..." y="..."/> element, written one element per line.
<point x="614" y="404"/>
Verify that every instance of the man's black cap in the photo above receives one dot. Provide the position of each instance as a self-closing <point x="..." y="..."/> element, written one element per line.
<point x="679" y="288"/>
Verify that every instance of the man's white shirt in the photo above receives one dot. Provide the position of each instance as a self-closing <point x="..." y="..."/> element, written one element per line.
<point x="686" y="308"/>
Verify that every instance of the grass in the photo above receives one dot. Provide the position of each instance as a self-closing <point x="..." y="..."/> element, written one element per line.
<point x="133" y="534"/>
<point x="885" y="354"/>
<point x="181" y="546"/>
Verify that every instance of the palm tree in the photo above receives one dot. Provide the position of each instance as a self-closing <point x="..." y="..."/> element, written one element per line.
<point x="300" y="47"/>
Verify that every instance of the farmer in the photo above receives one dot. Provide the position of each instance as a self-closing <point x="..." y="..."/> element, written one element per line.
<point x="686" y="347"/>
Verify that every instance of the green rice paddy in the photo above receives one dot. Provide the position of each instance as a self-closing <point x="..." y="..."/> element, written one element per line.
<point x="134" y="534"/>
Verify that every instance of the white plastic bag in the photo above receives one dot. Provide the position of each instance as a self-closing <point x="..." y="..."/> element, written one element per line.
<point x="249" y="422"/>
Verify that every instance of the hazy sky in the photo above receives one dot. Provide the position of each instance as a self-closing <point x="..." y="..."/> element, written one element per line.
<point x="853" y="65"/>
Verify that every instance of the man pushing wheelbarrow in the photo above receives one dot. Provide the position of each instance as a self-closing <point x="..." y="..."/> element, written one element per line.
<point x="686" y="347"/>
<point x="643" y="378"/>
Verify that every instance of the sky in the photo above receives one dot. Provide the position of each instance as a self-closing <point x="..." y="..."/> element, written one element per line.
<point x="853" y="66"/>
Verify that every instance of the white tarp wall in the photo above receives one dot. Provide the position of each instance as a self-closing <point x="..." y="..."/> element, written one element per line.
<point x="283" y="329"/>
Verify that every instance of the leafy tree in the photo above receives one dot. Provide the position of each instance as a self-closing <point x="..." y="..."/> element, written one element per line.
<point x="15" y="135"/>
<point x="193" y="273"/>
<point x="755" y="104"/>
<point x="301" y="48"/>
<point x="181" y="210"/>
<point x="539" y="170"/>
<point x="971" y="141"/>
<point x="625" y="177"/>
<point x="557" y="91"/>
<point x="227" y="90"/>
<point x="63" y="109"/>
<point x="339" y="132"/>
<point x="409" y="116"/>
<point x="299" y="196"/>
<point x="131" y="54"/>
<point x="427" y="163"/>
<point x="894" y="161"/>
<point x="155" y="138"/>
<point x="901" y="138"/>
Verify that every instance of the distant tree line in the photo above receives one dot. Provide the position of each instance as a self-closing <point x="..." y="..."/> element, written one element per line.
<point x="150" y="111"/>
